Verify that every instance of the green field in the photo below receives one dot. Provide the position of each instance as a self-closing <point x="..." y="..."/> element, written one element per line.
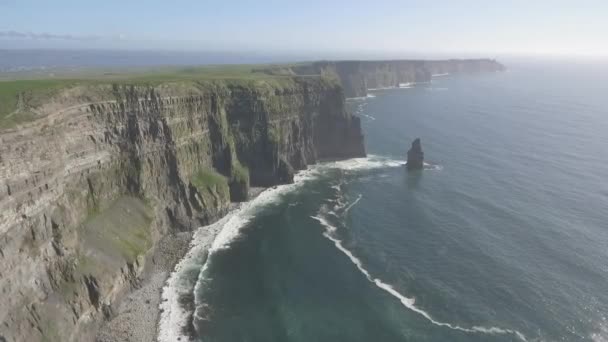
<point x="22" y="92"/>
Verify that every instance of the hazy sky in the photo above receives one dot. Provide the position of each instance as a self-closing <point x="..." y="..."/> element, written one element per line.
<point x="395" y="26"/>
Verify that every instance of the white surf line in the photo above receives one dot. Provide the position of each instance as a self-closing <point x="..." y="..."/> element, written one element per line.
<point x="220" y="234"/>
<point x="232" y="227"/>
<point x="359" y="98"/>
<point x="407" y="302"/>
<point x="361" y="164"/>
<point x="212" y="238"/>
<point x="173" y="316"/>
<point x="352" y="204"/>
<point x="369" y="117"/>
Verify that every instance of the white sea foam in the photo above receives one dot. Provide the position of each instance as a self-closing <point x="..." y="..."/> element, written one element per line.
<point x="369" y="163"/>
<point x="213" y="238"/>
<point x="602" y="334"/>
<point x="369" y="117"/>
<point x="440" y="75"/>
<point x="408" y="302"/>
<point x="180" y="283"/>
<point x="217" y="236"/>
<point x="249" y="209"/>
<point x="360" y="98"/>
<point x="360" y="109"/>
<point x="353" y="204"/>
<point x="381" y="88"/>
<point x="406" y="85"/>
<point x="432" y="167"/>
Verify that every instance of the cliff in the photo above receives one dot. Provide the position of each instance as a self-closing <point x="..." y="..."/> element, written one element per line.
<point x="357" y="77"/>
<point x="89" y="187"/>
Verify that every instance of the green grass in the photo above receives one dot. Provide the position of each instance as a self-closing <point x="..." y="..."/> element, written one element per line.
<point x="120" y="231"/>
<point x="212" y="186"/>
<point x="274" y="134"/>
<point x="208" y="178"/>
<point x="19" y="97"/>
<point x="239" y="182"/>
<point x="109" y="238"/>
<point x="240" y="173"/>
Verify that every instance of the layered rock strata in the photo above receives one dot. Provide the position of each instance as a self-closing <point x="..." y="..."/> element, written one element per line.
<point x="89" y="188"/>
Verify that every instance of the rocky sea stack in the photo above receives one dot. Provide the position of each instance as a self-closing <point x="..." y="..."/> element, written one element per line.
<point x="415" y="156"/>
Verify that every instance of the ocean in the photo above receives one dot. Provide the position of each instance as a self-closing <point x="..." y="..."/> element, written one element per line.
<point x="502" y="237"/>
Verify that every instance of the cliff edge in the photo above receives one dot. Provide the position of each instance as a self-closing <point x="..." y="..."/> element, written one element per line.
<point x="104" y="171"/>
<point x="357" y="77"/>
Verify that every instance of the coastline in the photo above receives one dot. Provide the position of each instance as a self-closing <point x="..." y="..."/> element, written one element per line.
<point x="178" y="305"/>
<point x="137" y="316"/>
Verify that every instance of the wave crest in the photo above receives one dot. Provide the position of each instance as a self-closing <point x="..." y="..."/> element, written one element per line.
<point x="409" y="302"/>
<point x="189" y="274"/>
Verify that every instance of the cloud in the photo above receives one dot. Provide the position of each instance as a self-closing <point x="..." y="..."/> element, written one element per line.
<point x="45" y="36"/>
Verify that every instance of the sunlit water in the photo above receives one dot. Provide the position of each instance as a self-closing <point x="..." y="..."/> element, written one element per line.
<point x="503" y="237"/>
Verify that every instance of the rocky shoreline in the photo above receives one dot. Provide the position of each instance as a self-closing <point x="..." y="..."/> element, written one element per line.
<point x="90" y="188"/>
<point x="136" y="316"/>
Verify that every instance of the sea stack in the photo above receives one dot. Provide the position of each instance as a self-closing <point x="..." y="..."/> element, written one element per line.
<point x="415" y="156"/>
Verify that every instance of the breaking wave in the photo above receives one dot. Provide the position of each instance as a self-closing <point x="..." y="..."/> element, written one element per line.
<point x="189" y="274"/>
<point x="408" y="302"/>
<point x="368" y="117"/>
<point x="190" y="271"/>
<point x="359" y="164"/>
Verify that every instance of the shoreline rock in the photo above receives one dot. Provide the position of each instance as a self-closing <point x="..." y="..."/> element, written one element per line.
<point x="137" y="316"/>
<point x="415" y="156"/>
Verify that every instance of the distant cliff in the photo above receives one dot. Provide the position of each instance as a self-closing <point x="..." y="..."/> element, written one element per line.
<point x="88" y="189"/>
<point x="357" y="77"/>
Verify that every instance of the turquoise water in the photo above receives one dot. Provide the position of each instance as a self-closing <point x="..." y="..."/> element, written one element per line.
<point x="503" y="237"/>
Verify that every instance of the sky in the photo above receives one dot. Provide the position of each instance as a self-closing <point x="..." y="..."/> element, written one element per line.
<point x="467" y="27"/>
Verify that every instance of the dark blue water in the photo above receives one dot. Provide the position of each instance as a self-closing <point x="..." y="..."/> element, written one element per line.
<point x="503" y="237"/>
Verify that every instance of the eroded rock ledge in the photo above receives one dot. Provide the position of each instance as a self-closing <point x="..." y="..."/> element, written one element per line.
<point x="89" y="188"/>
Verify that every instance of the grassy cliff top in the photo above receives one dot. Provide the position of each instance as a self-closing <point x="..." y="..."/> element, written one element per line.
<point x="19" y="93"/>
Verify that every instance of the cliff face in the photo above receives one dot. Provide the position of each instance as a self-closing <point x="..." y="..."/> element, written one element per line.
<point x="359" y="76"/>
<point x="87" y="191"/>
